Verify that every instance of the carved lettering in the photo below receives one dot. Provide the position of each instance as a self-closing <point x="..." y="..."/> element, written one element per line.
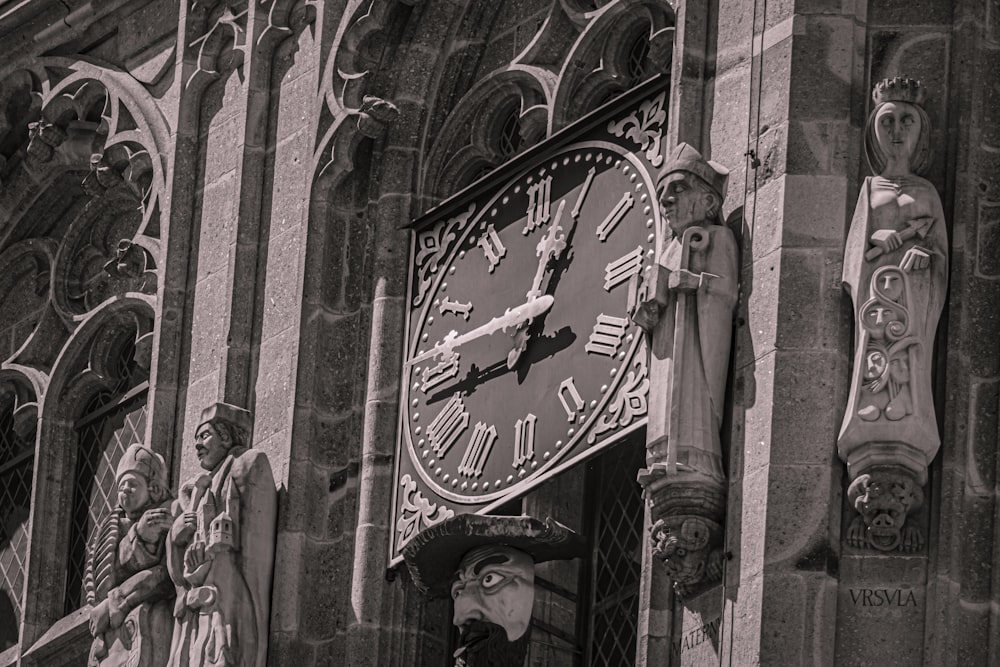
<point x="614" y="217"/>
<point x="707" y="632"/>
<point x="569" y="387"/>
<point x="607" y="335"/>
<point x="493" y="247"/>
<point x="478" y="451"/>
<point x="539" y="204"/>
<point x="524" y="440"/>
<point x="455" y="308"/>
<point x="448" y="426"/>
<point x="883" y="597"/>
<point x="622" y="269"/>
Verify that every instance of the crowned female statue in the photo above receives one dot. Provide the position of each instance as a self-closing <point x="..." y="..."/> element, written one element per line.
<point x="896" y="271"/>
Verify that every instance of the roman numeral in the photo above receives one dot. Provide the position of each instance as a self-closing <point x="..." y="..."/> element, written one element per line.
<point x="622" y="269"/>
<point x="569" y="387"/>
<point x="478" y="450"/>
<point x="539" y="203"/>
<point x="524" y="440"/>
<point x="492" y="247"/>
<point x="455" y="308"/>
<point x="583" y="192"/>
<point x="447" y="426"/>
<point x="617" y="213"/>
<point x="446" y="368"/>
<point x="607" y="335"/>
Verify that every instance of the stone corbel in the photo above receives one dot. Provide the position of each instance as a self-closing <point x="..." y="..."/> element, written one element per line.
<point x="375" y="115"/>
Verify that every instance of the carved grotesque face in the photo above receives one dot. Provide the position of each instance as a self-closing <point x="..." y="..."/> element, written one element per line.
<point x="897" y="130"/>
<point x="497" y="585"/>
<point x="883" y="502"/>
<point x="683" y="546"/>
<point x="133" y="492"/>
<point x="684" y="201"/>
<point x="210" y="446"/>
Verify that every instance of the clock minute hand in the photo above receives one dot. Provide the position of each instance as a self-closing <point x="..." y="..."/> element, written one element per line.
<point x="512" y="317"/>
<point x="549" y="247"/>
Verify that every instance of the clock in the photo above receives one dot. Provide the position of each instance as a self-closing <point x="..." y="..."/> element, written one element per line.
<point x="520" y="357"/>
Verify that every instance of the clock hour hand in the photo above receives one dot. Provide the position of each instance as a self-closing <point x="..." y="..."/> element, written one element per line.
<point x="512" y="317"/>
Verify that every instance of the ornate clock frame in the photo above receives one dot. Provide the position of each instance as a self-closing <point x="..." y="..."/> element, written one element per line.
<point x="520" y="360"/>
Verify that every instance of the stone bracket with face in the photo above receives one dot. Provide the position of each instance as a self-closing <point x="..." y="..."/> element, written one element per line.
<point x="487" y="565"/>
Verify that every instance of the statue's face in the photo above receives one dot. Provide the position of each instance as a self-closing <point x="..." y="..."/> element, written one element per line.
<point x="210" y="446"/>
<point x="497" y="585"/>
<point x="897" y="130"/>
<point x="133" y="492"/>
<point x="683" y="202"/>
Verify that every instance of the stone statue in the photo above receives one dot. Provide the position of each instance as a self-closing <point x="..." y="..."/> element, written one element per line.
<point x="688" y="314"/>
<point x="896" y="271"/>
<point x="125" y="578"/>
<point x="220" y="549"/>
<point x="487" y="565"/>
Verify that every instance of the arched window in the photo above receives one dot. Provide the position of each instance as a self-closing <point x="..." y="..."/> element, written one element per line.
<point x="17" y="458"/>
<point x="636" y="64"/>
<point x="509" y="139"/>
<point x="111" y="421"/>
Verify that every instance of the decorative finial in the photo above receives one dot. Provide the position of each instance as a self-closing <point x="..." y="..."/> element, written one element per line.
<point x="899" y="89"/>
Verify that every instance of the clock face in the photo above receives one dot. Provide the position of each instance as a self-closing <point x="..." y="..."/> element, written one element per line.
<point x="520" y="354"/>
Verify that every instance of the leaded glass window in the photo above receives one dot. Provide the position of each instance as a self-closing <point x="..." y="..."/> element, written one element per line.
<point x="17" y="458"/>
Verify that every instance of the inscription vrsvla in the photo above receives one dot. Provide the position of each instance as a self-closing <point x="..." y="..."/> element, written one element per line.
<point x="709" y="631"/>
<point x="883" y="597"/>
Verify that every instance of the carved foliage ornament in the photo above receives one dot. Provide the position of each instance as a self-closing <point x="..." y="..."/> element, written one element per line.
<point x="644" y="126"/>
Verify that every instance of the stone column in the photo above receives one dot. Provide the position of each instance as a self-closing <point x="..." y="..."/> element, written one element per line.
<point x="788" y="91"/>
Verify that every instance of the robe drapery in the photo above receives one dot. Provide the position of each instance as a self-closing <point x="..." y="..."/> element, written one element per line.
<point x="890" y="410"/>
<point x="703" y="321"/>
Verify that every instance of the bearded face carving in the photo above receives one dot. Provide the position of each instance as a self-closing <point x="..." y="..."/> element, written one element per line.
<point x="685" y="544"/>
<point x="884" y="499"/>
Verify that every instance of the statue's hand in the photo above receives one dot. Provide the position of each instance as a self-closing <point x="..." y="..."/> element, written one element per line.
<point x="196" y="564"/>
<point x="683" y="280"/>
<point x="153" y="524"/>
<point x="915" y="259"/>
<point x="184" y="527"/>
<point x="646" y="315"/>
<point x="100" y="619"/>
<point x="886" y="239"/>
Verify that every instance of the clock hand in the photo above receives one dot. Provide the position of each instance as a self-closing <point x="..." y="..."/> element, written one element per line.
<point x="551" y="246"/>
<point x="516" y="316"/>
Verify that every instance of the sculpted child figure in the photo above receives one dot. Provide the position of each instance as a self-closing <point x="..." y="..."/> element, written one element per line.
<point x="220" y="549"/>
<point x="126" y="578"/>
<point x="895" y="270"/>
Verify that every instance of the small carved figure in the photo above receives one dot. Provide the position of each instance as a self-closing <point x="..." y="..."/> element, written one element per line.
<point x="896" y="271"/>
<point x="487" y="564"/>
<point x="221" y="548"/>
<point x="685" y="545"/>
<point x="126" y="579"/>
<point x="689" y="317"/>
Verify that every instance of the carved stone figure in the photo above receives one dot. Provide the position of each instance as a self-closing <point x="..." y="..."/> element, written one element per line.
<point x="126" y="578"/>
<point x="896" y="271"/>
<point x="689" y="535"/>
<point x="220" y="549"/>
<point x="487" y="565"/>
<point x="689" y="318"/>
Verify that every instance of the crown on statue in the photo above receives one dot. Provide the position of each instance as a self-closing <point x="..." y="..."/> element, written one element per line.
<point x="899" y="89"/>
